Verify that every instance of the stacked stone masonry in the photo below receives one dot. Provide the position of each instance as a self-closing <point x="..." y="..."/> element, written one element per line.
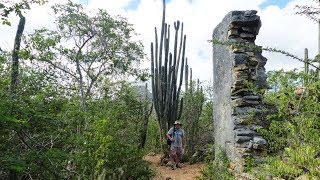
<point x="238" y="76"/>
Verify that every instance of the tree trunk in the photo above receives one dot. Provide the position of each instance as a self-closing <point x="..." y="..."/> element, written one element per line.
<point x="14" y="74"/>
<point x="163" y="131"/>
<point x="82" y="96"/>
<point x="82" y="91"/>
<point x="15" y="56"/>
<point x="143" y="135"/>
<point x="318" y="75"/>
<point x="165" y="148"/>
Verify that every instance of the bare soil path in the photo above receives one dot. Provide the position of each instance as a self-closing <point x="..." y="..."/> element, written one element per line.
<point x="187" y="172"/>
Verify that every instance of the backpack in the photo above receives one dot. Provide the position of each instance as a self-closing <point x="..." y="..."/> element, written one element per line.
<point x="171" y="135"/>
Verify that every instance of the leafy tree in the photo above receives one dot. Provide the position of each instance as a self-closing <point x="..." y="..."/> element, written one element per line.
<point x="28" y="140"/>
<point x="7" y="7"/>
<point x="112" y="143"/>
<point x="85" y="49"/>
<point x="41" y="139"/>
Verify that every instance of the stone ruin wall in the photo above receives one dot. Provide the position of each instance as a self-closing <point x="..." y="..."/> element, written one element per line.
<point x="238" y="110"/>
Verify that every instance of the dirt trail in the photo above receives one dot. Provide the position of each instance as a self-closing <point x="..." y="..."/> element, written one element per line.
<point x="187" y="172"/>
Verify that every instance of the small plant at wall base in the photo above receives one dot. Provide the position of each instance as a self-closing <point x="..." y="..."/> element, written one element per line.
<point x="249" y="163"/>
<point x="217" y="169"/>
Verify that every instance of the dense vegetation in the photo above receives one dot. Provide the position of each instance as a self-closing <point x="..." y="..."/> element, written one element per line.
<point x="293" y="134"/>
<point x="68" y="111"/>
<point x="71" y="114"/>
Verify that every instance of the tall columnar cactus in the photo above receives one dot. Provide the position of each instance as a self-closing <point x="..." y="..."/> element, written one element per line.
<point x="311" y="75"/>
<point x="167" y="70"/>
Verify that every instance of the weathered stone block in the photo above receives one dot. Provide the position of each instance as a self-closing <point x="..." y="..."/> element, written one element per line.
<point x="244" y="145"/>
<point x="252" y="102"/>
<point x="252" y="97"/>
<point x="245" y="18"/>
<point x="240" y="122"/>
<point x="238" y="49"/>
<point x="259" y="143"/>
<point x="255" y="127"/>
<point x="249" y="29"/>
<point x="251" y="54"/>
<point x="241" y="59"/>
<point x="242" y="102"/>
<point x="253" y="62"/>
<point x="232" y="33"/>
<point x="240" y="75"/>
<point x="238" y="102"/>
<point x="245" y="132"/>
<point x="240" y="68"/>
<point x="244" y="111"/>
<point x="236" y="40"/>
<point x="247" y="36"/>
<point x="240" y="139"/>
<point x="231" y="26"/>
<point x="262" y="79"/>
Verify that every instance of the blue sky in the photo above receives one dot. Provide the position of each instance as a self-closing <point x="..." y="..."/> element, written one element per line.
<point x="83" y="1"/>
<point x="280" y="3"/>
<point x="134" y="3"/>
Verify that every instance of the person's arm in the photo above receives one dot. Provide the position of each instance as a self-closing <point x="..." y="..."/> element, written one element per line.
<point x="168" y="134"/>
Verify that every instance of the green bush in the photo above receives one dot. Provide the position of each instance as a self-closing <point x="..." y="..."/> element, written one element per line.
<point x="217" y="169"/>
<point x="293" y="134"/>
<point x="278" y="168"/>
<point x="107" y="156"/>
<point x="153" y="139"/>
<point x="210" y="154"/>
<point x="249" y="163"/>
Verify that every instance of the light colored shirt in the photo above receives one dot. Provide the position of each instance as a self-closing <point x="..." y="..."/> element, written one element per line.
<point x="178" y="135"/>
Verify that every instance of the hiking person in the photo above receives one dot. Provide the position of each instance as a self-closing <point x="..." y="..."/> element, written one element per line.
<point x="176" y="136"/>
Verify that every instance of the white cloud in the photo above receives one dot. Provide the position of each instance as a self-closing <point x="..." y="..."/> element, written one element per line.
<point x="115" y="7"/>
<point x="284" y="30"/>
<point x="280" y="27"/>
<point x="37" y="17"/>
